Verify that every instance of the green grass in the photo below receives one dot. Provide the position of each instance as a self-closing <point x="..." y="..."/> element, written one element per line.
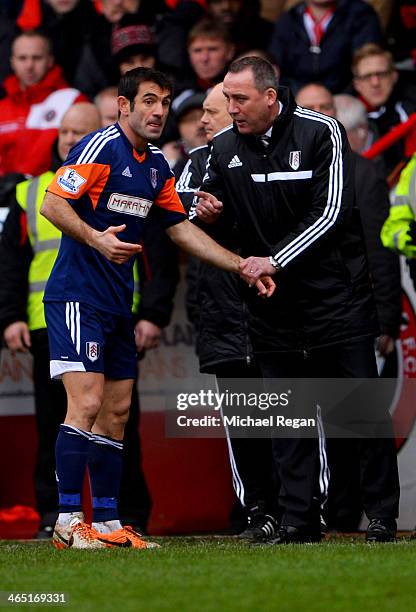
<point x="218" y="575"/>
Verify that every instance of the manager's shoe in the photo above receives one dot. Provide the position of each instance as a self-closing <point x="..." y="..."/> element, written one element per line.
<point x="261" y="527"/>
<point x="295" y="535"/>
<point x="381" y="530"/>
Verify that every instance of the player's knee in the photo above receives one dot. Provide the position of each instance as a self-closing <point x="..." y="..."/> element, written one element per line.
<point x="121" y="414"/>
<point x="89" y="406"/>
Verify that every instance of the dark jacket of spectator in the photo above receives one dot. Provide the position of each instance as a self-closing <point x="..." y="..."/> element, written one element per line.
<point x="373" y="203"/>
<point x="353" y="24"/>
<point x="397" y="109"/>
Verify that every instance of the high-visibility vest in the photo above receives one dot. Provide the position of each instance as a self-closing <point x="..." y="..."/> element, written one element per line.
<point x="396" y="233"/>
<point x="45" y="239"/>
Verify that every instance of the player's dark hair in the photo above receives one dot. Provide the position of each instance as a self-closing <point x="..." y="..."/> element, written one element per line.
<point x="130" y="82"/>
<point x="263" y="71"/>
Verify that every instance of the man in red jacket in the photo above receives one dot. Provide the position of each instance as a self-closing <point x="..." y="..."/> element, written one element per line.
<point x="36" y="99"/>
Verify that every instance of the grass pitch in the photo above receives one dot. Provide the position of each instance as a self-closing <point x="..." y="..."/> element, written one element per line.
<point x="217" y="574"/>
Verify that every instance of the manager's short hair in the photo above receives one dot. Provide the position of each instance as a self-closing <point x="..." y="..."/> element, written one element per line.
<point x="263" y="71"/>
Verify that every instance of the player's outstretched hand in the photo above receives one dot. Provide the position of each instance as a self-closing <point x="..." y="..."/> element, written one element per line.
<point x="112" y="248"/>
<point x="208" y="208"/>
<point x="265" y="286"/>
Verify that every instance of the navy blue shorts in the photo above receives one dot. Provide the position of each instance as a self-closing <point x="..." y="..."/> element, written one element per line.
<point x="85" y="339"/>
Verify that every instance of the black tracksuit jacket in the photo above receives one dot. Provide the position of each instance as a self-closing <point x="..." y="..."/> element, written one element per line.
<point x="296" y="202"/>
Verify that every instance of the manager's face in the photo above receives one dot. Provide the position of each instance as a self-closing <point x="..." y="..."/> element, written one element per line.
<point x="252" y="110"/>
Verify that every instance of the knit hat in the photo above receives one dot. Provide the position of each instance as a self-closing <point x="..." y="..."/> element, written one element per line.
<point x="131" y="38"/>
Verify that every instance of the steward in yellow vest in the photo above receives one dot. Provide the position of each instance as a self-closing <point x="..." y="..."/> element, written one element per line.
<point x="399" y="230"/>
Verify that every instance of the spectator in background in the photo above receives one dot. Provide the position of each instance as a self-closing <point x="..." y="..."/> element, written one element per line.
<point x="68" y="24"/>
<point x="210" y="51"/>
<point x="107" y="105"/>
<point x="37" y="96"/>
<point x="346" y="493"/>
<point x="242" y="19"/>
<point x="188" y="114"/>
<point x="388" y="103"/>
<point x="316" y="97"/>
<point x="315" y="41"/>
<point x="374" y="205"/>
<point x="133" y="45"/>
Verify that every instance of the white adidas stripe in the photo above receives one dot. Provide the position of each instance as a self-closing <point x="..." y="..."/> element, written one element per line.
<point x="93" y="143"/>
<point x="100" y="147"/>
<point x="73" y="323"/>
<point x="78" y="327"/>
<point x="324" y="471"/>
<point x="238" y="485"/>
<point x="192" y="210"/>
<point x="181" y="181"/>
<point x="334" y="198"/>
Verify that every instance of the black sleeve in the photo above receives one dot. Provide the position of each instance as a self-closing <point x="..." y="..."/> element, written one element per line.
<point x="373" y="202"/>
<point x="192" y="176"/>
<point x="15" y="257"/>
<point x="158" y="273"/>
<point x="189" y="181"/>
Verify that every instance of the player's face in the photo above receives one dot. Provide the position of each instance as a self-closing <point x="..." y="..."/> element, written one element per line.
<point x="374" y="79"/>
<point x="30" y="59"/>
<point x="150" y="111"/>
<point x="252" y="110"/>
<point x="209" y="56"/>
<point x="215" y="116"/>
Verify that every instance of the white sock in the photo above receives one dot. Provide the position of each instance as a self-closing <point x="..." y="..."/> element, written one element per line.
<point x="64" y="518"/>
<point x="107" y="526"/>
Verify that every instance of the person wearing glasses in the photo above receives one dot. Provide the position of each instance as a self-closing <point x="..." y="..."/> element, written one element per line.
<point x="388" y="101"/>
